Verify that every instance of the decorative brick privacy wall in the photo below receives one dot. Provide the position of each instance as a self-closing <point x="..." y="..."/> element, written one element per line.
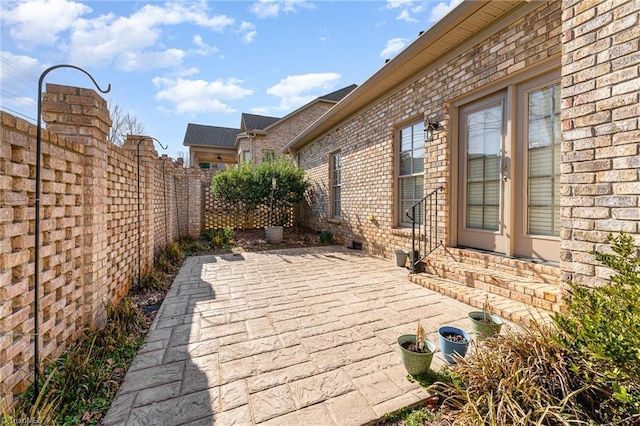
<point x="600" y="110"/>
<point x="89" y="224"/>
<point x="367" y="140"/>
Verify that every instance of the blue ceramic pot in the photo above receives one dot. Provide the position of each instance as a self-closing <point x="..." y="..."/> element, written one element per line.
<point x="450" y="348"/>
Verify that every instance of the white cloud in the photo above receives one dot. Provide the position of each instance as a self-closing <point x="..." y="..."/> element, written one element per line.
<point x="441" y="9"/>
<point x="19" y="68"/>
<point x="272" y="8"/>
<point x="202" y="47"/>
<point x="408" y="8"/>
<point x="169" y="58"/>
<point x="191" y="96"/>
<point x="393" y="47"/>
<point x="248" y="31"/>
<point x="405" y="16"/>
<point x="18" y="79"/>
<point x="105" y="40"/>
<point x="296" y="90"/>
<point x="39" y="22"/>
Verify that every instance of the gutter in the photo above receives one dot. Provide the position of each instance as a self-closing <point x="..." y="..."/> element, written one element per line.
<point x="348" y="105"/>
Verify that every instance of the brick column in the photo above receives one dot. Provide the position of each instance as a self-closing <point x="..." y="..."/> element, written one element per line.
<point x="82" y="116"/>
<point x="194" y="201"/>
<point x="600" y="161"/>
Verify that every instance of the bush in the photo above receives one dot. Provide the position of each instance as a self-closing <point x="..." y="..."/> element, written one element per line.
<point x="248" y="186"/>
<point x="602" y="325"/>
<point x="80" y="385"/>
<point x="326" y="237"/>
<point x="583" y="371"/>
<point x="219" y="238"/>
<point x="514" y="379"/>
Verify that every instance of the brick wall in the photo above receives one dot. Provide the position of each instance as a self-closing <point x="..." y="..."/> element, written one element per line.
<point x="601" y="106"/>
<point x="89" y="224"/>
<point x="367" y="140"/>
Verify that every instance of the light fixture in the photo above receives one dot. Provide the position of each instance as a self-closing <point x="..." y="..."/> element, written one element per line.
<point x="430" y="130"/>
<point x="219" y="158"/>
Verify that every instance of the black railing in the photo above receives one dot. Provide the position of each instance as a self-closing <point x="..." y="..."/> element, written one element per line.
<point x="424" y="219"/>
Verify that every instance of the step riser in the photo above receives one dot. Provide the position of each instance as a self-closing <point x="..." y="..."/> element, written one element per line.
<point x="521" y="314"/>
<point x="538" y="272"/>
<point x="546" y="297"/>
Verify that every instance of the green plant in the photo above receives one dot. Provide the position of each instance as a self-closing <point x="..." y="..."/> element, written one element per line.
<point x="248" y="186"/>
<point x="413" y="416"/>
<point x="79" y="386"/>
<point x="326" y="237"/>
<point x="219" y="238"/>
<point x="154" y="280"/>
<point x="601" y="324"/>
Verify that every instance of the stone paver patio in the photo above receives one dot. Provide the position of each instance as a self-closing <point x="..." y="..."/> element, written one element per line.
<point x="286" y="337"/>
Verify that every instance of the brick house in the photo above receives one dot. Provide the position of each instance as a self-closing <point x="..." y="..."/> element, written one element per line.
<point x="521" y="118"/>
<point x="262" y="137"/>
<point x="210" y="147"/>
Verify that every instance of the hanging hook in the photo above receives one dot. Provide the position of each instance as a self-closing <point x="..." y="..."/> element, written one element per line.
<point x="36" y="278"/>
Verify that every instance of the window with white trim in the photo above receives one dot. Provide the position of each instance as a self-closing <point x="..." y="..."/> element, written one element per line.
<point x="336" y="185"/>
<point x="410" y="171"/>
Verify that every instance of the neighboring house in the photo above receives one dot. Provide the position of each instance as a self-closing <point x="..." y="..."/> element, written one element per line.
<point x="526" y="113"/>
<point x="210" y="147"/>
<point x="262" y="137"/>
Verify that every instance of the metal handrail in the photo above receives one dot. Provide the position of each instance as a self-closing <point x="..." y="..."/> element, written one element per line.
<point x="427" y="242"/>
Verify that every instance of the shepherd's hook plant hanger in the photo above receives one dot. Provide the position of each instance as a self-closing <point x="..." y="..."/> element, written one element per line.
<point x="36" y="278"/>
<point x="139" y="218"/>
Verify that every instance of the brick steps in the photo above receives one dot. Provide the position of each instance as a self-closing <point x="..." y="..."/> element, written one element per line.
<point x="508" y="309"/>
<point x="518" y="291"/>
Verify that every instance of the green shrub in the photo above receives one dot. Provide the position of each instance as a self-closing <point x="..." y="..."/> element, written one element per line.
<point x="326" y="237"/>
<point x="602" y="324"/>
<point x="153" y="280"/>
<point x="247" y="186"/>
<point x="583" y="371"/>
<point x="80" y="385"/>
<point x="219" y="238"/>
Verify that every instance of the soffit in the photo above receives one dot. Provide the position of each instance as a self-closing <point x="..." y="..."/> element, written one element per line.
<point x="469" y="18"/>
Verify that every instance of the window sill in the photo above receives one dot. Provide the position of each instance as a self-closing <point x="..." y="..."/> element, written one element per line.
<point x="335" y="221"/>
<point x="401" y="232"/>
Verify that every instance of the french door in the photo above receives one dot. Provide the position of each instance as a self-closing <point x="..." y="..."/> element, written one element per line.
<point x="509" y="171"/>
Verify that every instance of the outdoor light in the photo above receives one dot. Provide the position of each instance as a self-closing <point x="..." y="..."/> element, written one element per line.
<point x="219" y="157"/>
<point x="429" y="131"/>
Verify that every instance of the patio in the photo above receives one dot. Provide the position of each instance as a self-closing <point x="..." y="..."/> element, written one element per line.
<point x="295" y="336"/>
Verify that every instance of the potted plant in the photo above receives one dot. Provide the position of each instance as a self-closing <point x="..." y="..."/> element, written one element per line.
<point x="417" y="352"/>
<point x="484" y="324"/>
<point x="453" y="341"/>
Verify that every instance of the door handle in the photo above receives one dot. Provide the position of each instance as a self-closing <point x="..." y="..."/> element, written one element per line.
<point x="505" y="164"/>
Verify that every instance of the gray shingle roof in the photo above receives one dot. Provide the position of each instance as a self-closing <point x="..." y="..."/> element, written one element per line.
<point x="199" y="134"/>
<point x="339" y="94"/>
<point x="257" y="122"/>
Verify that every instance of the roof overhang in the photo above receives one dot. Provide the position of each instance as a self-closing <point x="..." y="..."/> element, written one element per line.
<point x="468" y="18"/>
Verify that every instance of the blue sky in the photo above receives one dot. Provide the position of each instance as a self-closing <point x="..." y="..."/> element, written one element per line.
<point x="179" y="62"/>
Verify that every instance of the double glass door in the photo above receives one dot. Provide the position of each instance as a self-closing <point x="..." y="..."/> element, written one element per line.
<point x="509" y="171"/>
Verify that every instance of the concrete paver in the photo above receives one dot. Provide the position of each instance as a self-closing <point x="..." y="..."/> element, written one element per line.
<point x="284" y="337"/>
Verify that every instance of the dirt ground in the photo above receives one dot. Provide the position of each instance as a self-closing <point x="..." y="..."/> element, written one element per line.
<point x="254" y="239"/>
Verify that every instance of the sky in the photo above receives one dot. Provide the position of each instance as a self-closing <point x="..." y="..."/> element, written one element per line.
<point x="205" y="62"/>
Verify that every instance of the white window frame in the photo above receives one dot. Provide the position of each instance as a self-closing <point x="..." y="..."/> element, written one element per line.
<point x="335" y="179"/>
<point x="416" y="173"/>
